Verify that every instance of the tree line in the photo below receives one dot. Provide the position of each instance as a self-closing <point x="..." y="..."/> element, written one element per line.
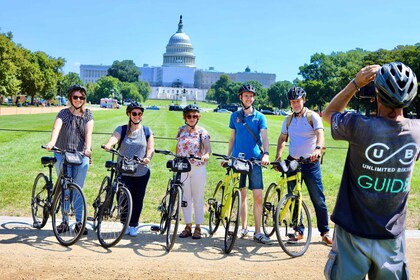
<point x="39" y="75"/>
<point x="322" y="78"/>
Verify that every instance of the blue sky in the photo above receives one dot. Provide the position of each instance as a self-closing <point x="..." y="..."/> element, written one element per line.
<point x="270" y="36"/>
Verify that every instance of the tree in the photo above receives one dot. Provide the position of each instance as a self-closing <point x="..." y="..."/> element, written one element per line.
<point x="221" y="89"/>
<point x="129" y="91"/>
<point x="143" y="89"/>
<point x="104" y="87"/>
<point x="9" y="82"/>
<point x="125" y="71"/>
<point x="277" y="94"/>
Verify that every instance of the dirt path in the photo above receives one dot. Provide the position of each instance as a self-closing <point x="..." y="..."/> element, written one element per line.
<point x="26" y="253"/>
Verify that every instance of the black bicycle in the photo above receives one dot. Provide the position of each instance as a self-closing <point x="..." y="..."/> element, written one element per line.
<point x="113" y="205"/>
<point x="172" y="200"/>
<point x="65" y="198"/>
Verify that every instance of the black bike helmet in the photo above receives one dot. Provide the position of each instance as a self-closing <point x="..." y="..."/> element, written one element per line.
<point x="396" y="84"/>
<point x="75" y="88"/>
<point x="191" y="107"/>
<point x="134" y="105"/>
<point x="247" y="87"/>
<point x="296" y="93"/>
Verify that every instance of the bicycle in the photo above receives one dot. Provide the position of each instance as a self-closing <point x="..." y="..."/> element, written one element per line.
<point x="291" y="216"/>
<point x="172" y="200"/>
<point x="64" y="197"/>
<point x="225" y="205"/>
<point x="113" y="205"/>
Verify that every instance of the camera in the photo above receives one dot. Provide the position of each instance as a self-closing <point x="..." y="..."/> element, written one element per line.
<point x="367" y="91"/>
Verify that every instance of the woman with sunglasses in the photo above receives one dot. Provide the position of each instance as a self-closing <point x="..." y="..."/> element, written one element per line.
<point x="72" y="131"/>
<point x="135" y="140"/>
<point x="193" y="140"/>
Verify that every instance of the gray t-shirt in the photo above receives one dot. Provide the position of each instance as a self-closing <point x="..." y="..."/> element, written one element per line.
<point x="134" y="144"/>
<point x="372" y="200"/>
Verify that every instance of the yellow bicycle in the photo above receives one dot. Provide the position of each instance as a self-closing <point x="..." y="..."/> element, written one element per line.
<point x="225" y="205"/>
<point x="284" y="210"/>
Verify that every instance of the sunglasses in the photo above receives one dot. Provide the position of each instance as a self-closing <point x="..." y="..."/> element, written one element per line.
<point x="75" y="97"/>
<point x="135" y="114"/>
<point x="192" y="116"/>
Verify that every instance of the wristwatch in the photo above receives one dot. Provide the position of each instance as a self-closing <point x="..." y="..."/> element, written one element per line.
<point x="266" y="153"/>
<point x="318" y="147"/>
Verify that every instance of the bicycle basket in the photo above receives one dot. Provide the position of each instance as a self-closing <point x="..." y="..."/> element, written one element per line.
<point x="73" y="158"/>
<point x="241" y="166"/>
<point x="128" y="166"/>
<point x="179" y="165"/>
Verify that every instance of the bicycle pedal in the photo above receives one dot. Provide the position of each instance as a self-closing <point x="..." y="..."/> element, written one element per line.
<point x="36" y="225"/>
<point x="155" y="228"/>
<point x="268" y="206"/>
<point x="184" y="204"/>
<point x="211" y="201"/>
<point x="90" y="219"/>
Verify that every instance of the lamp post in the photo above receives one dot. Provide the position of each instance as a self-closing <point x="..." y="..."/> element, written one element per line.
<point x="60" y="100"/>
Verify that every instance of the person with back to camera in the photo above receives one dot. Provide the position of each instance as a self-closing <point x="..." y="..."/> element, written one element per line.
<point x="135" y="140"/>
<point x="72" y="131"/>
<point x="371" y="207"/>
<point x="248" y="131"/>
<point x="306" y="133"/>
<point x="193" y="140"/>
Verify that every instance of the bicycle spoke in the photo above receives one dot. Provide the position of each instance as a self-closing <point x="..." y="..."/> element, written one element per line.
<point x="215" y="208"/>
<point x="232" y="224"/>
<point x="39" y="201"/>
<point x="271" y="199"/>
<point x="173" y="218"/>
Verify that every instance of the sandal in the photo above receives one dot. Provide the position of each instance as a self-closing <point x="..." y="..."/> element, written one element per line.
<point x="186" y="232"/>
<point x="197" y="233"/>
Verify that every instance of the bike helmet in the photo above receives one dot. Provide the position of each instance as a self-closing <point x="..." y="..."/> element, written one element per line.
<point x="76" y="88"/>
<point x="134" y="105"/>
<point x="396" y="84"/>
<point x="296" y="93"/>
<point x="247" y="87"/>
<point x="191" y="107"/>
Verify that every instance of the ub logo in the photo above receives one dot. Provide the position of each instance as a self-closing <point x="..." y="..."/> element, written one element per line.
<point x="380" y="153"/>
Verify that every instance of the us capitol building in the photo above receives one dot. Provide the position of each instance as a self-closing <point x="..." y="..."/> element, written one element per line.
<point x="178" y="77"/>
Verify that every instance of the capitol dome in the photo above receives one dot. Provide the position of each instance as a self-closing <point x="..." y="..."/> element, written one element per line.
<point x="179" y="50"/>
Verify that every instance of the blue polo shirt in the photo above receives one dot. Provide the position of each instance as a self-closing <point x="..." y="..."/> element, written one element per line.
<point x="244" y="141"/>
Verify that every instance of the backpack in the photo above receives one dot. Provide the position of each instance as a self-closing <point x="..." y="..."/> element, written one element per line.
<point x="290" y="117"/>
<point x="146" y="131"/>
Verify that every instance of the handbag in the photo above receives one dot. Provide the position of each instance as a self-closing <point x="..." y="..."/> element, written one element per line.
<point x="241" y="166"/>
<point x="128" y="165"/>
<point x="74" y="158"/>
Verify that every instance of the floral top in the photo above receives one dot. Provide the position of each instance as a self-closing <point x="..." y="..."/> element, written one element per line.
<point x="190" y="143"/>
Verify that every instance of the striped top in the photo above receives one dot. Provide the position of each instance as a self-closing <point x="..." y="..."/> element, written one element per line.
<point x="73" y="130"/>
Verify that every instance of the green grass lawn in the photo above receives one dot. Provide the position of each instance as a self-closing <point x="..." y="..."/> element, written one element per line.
<point x="22" y="135"/>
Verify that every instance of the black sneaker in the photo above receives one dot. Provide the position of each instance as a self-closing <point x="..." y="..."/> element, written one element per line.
<point x="63" y="227"/>
<point x="77" y="228"/>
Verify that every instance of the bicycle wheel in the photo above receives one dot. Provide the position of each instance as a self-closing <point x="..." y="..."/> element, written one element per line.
<point x="39" y="201"/>
<point x="69" y="214"/>
<point x="114" y="217"/>
<point x="100" y="198"/>
<point x="232" y="224"/>
<point x="215" y="207"/>
<point x="287" y="226"/>
<point x="271" y="199"/>
<point x="163" y="208"/>
<point x="173" y="217"/>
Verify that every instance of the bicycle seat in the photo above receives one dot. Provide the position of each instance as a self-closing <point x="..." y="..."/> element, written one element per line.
<point x="111" y="164"/>
<point x="48" y="160"/>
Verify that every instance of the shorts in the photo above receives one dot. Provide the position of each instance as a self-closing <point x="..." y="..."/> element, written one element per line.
<point x="255" y="179"/>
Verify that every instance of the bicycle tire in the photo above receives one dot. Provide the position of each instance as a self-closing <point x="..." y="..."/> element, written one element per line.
<point x="64" y="204"/>
<point x="100" y="198"/>
<point x="163" y="208"/>
<point x="216" y="207"/>
<point x="112" y="223"/>
<point x="173" y="218"/>
<point x="271" y="199"/>
<point x="286" y="226"/>
<point x="232" y="224"/>
<point x="39" y="201"/>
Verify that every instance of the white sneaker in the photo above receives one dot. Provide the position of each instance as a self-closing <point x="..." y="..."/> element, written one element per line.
<point x="260" y="237"/>
<point x="132" y="231"/>
<point x="244" y="232"/>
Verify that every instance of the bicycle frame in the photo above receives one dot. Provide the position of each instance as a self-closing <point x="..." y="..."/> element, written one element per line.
<point x="231" y="182"/>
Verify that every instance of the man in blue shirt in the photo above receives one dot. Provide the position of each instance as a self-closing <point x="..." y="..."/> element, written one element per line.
<point x="249" y="130"/>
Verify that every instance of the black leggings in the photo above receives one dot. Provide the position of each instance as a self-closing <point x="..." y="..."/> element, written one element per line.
<point x="137" y="187"/>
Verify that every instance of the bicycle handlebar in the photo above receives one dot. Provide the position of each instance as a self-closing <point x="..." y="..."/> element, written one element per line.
<point x="116" y="152"/>
<point x="169" y="153"/>
<point x="58" y="150"/>
<point x="226" y="157"/>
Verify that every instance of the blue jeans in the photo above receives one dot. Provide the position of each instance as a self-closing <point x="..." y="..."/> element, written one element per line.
<point x="311" y="175"/>
<point x="78" y="173"/>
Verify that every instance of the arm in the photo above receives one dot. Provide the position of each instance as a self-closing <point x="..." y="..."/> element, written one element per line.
<point x="281" y="144"/>
<point x="115" y="138"/>
<point x="58" y="123"/>
<point x="320" y="141"/>
<point x="207" y="150"/>
<point x="340" y="101"/>
<point x="88" y="139"/>
<point x="266" y="158"/>
<point x="150" y="149"/>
